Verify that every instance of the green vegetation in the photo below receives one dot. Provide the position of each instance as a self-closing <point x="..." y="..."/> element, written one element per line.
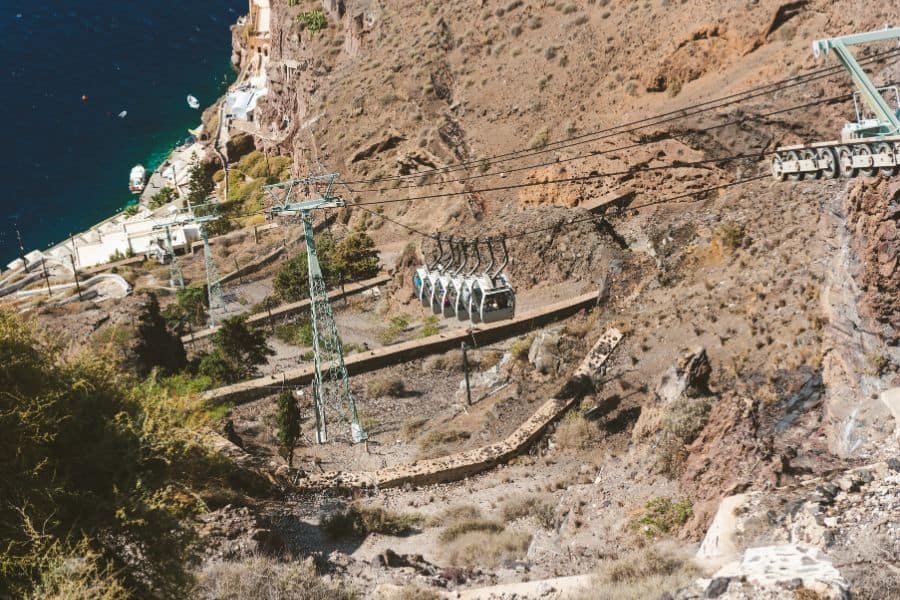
<point x="298" y="333"/>
<point x="431" y="326"/>
<point x="359" y="521"/>
<point x="663" y="516"/>
<point x="162" y="197"/>
<point x="520" y="348"/>
<point x="97" y="474"/>
<point x="314" y="20"/>
<point x="287" y="425"/>
<point x="395" y="328"/>
<point x="540" y="139"/>
<point x="237" y="352"/>
<point x="189" y="307"/>
<point x="354" y="258"/>
<point x="131" y="210"/>
<point x="157" y="347"/>
<point x="731" y="235"/>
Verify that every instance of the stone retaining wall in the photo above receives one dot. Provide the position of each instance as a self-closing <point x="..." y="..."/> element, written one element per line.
<point x="247" y="391"/>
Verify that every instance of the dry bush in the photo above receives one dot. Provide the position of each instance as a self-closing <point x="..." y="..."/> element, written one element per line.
<point x="412" y="426"/>
<point x="359" y="521"/>
<point x="390" y="386"/>
<point x="265" y="578"/>
<point x="488" y="549"/>
<point x="454" y="514"/>
<point x="575" y="432"/>
<point x="642" y="575"/>
<point x="449" y="361"/>
<point x="541" y="507"/>
<point x="414" y="592"/>
<point x="461" y="528"/>
<point x="434" y="443"/>
<point x="686" y="417"/>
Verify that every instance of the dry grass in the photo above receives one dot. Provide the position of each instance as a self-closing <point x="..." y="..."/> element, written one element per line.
<point x="540" y="507"/>
<point x="359" y="521"/>
<point x="461" y="528"/>
<point x="575" y="432"/>
<point x="454" y="514"/>
<point x="412" y="426"/>
<point x="261" y="577"/>
<point x="414" y="592"/>
<point x="390" y="386"/>
<point x="662" y="516"/>
<point x="435" y="443"/>
<point x="487" y="549"/>
<point x="647" y="574"/>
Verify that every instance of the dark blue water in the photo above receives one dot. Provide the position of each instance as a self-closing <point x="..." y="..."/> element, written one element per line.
<point x="64" y="161"/>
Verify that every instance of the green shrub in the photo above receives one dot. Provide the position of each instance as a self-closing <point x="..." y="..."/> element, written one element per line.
<point x="686" y="417"/>
<point x="662" y="516"/>
<point x="395" y="328"/>
<point x="162" y="197"/>
<point x="431" y="326"/>
<point x="520" y="348"/>
<point x="731" y="234"/>
<point x="298" y="333"/>
<point x="94" y="469"/>
<point x="314" y="20"/>
<point x="461" y="528"/>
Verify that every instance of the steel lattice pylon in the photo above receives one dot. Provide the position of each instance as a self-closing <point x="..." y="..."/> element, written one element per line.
<point x="175" y="277"/>
<point x="213" y="284"/>
<point x="331" y="384"/>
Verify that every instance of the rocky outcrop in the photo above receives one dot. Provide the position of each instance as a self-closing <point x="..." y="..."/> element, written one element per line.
<point x="688" y="376"/>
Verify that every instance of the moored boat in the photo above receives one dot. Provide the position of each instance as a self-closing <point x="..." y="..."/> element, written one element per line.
<point x="193" y="102"/>
<point x="136" y="179"/>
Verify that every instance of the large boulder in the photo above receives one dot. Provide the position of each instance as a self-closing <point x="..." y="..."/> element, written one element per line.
<point x="688" y="376"/>
<point x="544" y="353"/>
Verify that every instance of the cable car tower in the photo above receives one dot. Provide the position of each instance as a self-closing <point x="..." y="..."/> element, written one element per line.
<point x="215" y="293"/>
<point x="867" y="146"/>
<point x="331" y="384"/>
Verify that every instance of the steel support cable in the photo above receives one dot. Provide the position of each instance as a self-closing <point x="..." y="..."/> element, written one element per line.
<point x="578" y="179"/>
<point x="643" y="123"/>
<point x="668" y="136"/>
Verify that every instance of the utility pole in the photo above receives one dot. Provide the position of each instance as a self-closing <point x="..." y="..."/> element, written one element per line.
<point x="21" y="248"/>
<point x="46" y="277"/>
<point x="75" y="275"/>
<point x="465" y="359"/>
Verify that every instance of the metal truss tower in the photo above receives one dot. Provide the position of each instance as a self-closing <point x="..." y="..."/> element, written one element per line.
<point x="176" y="279"/>
<point x="331" y="384"/>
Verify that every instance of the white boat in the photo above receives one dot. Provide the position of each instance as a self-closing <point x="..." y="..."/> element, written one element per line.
<point x="193" y="102"/>
<point x="136" y="179"/>
<point x="123" y="114"/>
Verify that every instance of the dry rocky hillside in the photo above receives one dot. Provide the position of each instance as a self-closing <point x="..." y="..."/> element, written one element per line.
<point x="743" y="438"/>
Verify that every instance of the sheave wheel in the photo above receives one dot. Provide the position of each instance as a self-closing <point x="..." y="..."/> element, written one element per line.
<point x="845" y="162"/>
<point x="792" y="155"/>
<point x="810" y="154"/>
<point x="885" y="148"/>
<point x="777" y="171"/>
<point x="864" y="150"/>
<point x="831" y="168"/>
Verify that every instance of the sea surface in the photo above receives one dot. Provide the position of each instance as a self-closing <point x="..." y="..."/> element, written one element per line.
<point x="67" y="69"/>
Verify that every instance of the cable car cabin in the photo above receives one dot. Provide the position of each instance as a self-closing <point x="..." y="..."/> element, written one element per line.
<point x="438" y="292"/>
<point x="450" y="293"/>
<point x="463" y="300"/>
<point x="492" y="300"/>
<point x="422" y="282"/>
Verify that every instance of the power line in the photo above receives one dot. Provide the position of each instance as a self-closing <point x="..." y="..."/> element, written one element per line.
<point x="638" y="144"/>
<point x="628" y="127"/>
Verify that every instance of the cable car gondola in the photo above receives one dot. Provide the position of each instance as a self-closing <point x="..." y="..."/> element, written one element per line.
<point x="493" y="298"/>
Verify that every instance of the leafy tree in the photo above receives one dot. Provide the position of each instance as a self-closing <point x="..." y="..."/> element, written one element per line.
<point x="287" y="423"/>
<point x="163" y="196"/>
<point x="200" y="183"/>
<point x="354" y="258"/>
<point x="156" y="345"/>
<point x="190" y="306"/>
<point x="238" y="351"/>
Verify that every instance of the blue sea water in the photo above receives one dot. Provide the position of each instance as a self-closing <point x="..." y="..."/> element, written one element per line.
<point x="65" y="159"/>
